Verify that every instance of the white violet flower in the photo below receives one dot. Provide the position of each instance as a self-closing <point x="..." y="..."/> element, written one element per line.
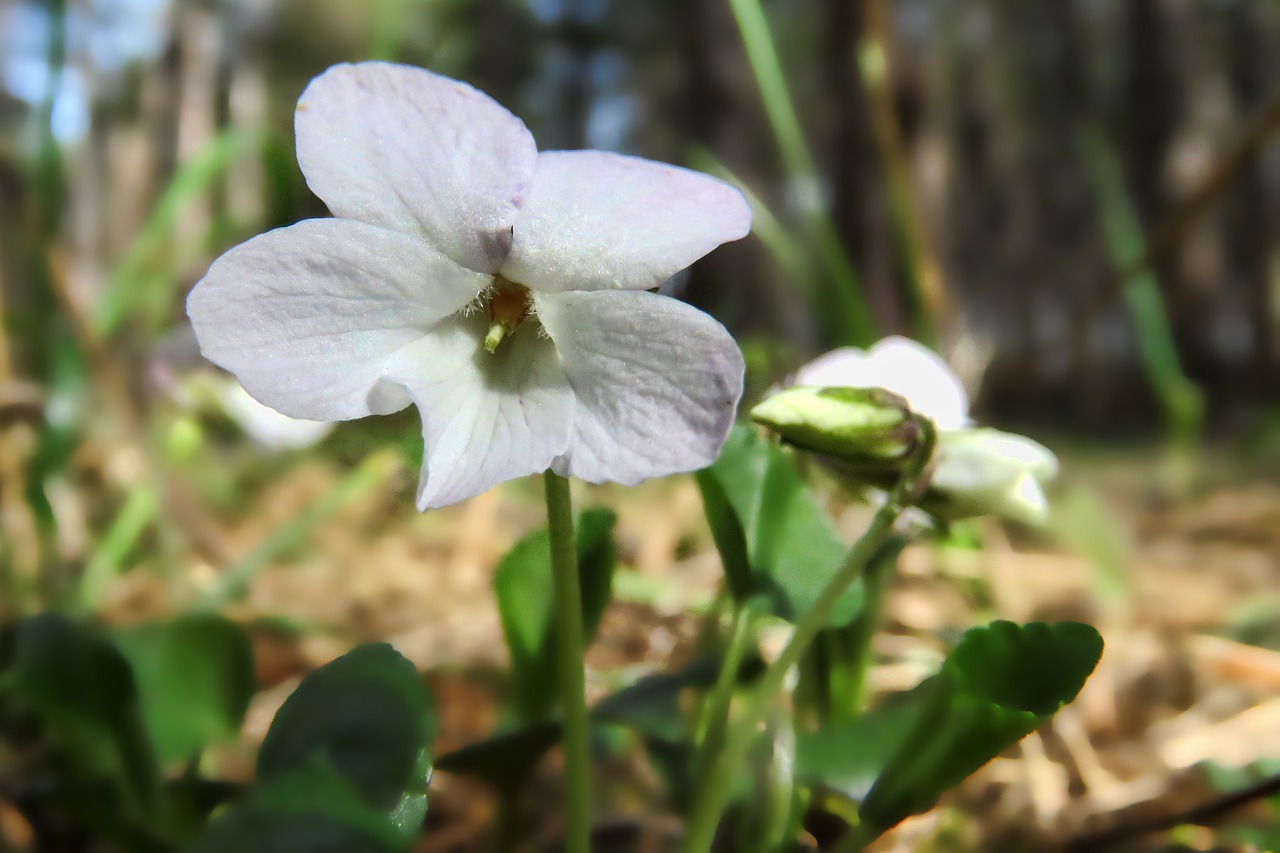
<point x="502" y="291"/>
<point x="976" y="471"/>
<point x="901" y="365"/>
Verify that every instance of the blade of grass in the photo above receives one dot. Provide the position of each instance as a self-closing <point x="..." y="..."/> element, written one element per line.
<point x="1182" y="401"/>
<point x="851" y="315"/>
<point x="780" y="242"/>
<point x="130" y="523"/>
<point x="133" y="278"/>
<point x="924" y="278"/>
<point x="237" y="577"/>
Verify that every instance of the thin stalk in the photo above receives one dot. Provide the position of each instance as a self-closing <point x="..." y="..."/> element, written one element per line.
<point x="715" y="717"/>
<point x="710" y="797"/>
<point x="1182" y="400"/>
<point x="853" y="319"/>
<point x="791" y="256"/>
<point x="237" y="577"/>
<point x="570" y="680"/>
<point x="133" y="519"/>
<point x="928" y="297"/>
<point x="858" y="653"/>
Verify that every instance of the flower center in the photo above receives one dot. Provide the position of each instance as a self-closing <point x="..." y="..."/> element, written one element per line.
<point x="508" y="307"/>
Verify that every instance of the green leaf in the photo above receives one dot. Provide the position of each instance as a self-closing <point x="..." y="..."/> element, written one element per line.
<point x="83" y="690"/>
<point x="848" y="756"/>
<point x="649" y="706"/>
<point x="367" y="716"/>
<point x="505" y="760"/>
<point x="999" y="684"/>
<point x="522" y="584"/>
<point x="310" y="809"/>
<point x="195" y="676"/>
<point x="773" y="538"/>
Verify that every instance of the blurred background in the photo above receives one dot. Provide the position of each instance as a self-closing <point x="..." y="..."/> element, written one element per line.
<point x="1077" y="201"/>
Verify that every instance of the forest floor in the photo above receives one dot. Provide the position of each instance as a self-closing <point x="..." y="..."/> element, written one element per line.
<point x="1184" y="706"/>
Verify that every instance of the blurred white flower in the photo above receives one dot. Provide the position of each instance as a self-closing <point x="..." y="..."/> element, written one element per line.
<point x="264" y="424"/>
<point x="976" y="471"/>
<point x="900" y="365"/>
<point x="501" y="290"/>
<point x="989" y="472"/>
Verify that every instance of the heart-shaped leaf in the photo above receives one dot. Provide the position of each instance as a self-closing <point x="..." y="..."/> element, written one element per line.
<point x="366" y="715"/>
<point x="522" y="584"/>
<point x="504" y="760"/>
<point x="848" y="756"/>
<point x="999" y="684"/>
<point x="773" y="538"/>
<point x="310" y="809"/>
<point x="83" y="691"/>
<point x="195" y="677"/>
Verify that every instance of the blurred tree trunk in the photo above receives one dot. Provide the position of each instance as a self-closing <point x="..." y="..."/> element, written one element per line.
<point x="1247" y="225"/>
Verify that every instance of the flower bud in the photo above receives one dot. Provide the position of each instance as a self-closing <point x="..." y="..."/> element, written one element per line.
<point x="859" y="425"/>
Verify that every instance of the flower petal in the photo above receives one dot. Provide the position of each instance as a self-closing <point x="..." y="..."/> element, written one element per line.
<point x="486" y="417"/>
<point x="988" y="472"/>
<point x="411" y="150"/>
<point x="983" y="459"/>
<point x="596" y="220"/>
<point x="902" y="366"/>
<point x="656" y="382"/>
<point x="306" y="316"/>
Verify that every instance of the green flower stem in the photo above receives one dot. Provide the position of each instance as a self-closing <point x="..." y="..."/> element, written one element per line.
<point x="569" y="676"/>
<point x="715" y="717"/>
<point x="879" y="577"/>
<point x="713" y="790"/>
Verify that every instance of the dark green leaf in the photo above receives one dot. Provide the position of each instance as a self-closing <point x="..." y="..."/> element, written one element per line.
<point x="650" y="706"/>
<point x="773" y="537"/>
<point x="848" y="756"/>
<point x="310" y="809"/>
<point x="195" y="676"/>
<point x="832" y="680"/>
<point x="998" y="685"/>
<point x="522" y="584"/>
<point x="82" y="689"/>
<point x="367" y="716"/>
<point x="505" y="760"/>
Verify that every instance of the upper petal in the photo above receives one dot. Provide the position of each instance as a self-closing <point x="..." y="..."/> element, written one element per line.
<point x="902" y="366"/>
<point x="656" y="383"/>
<point x="486" y="417"/>
<point x="402" y="147"/>
<point x="596" y="220"/>
<point x="306" y="316"/>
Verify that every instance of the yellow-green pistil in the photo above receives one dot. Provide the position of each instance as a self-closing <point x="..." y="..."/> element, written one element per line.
<point x="508" y="307"/>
